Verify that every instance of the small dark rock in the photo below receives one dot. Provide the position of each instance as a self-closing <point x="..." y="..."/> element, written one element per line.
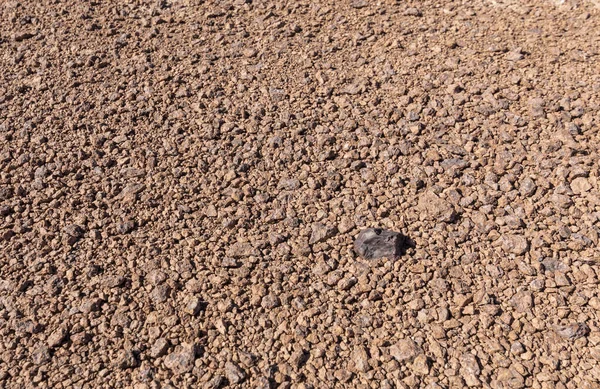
<point x="374" y="243"/>
<point x="5" y="210"/>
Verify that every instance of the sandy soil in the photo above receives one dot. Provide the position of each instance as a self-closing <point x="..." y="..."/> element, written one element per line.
<point x="181" y="184"/>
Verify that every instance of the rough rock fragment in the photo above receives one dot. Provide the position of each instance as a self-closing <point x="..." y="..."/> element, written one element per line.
<point x="470" y="369"/>
<point x="412" y="11"/>
<point x="432" y="207"/>
<point x="321" y="232"/>
<point x="522" y="301"/>
<point x="360" y="359"/>
<point x="181" y="360"/>
<point x="41" y="355"/>
<point x="192" y="305"/>
<point x="57" y="337"/>
<point x="159" y="348"/>
<point x="572" y="331"/>
<point x="580" y="185"/>
<point x="125" y="227"/>
<point x="234" y="373"/>
<point x="515" y="244"/>
<point x="74" y="230"/>
<point x="514" y="55"/>
<point x="242" y="249"/>
<point x="127" y="359"/>
<point x="270" y="301"/>
<point x="421" y="364"/>
<point x="359" y="4"/>
<point x="215" y="383"/>
<point x="405" y="350"/>
<point x="374" y="243"/>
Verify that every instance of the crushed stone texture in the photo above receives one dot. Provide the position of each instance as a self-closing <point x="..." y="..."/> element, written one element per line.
<point x="182" y="182"/>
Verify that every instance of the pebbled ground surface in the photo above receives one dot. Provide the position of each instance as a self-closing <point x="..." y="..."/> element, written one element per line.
<point x="181" y="183"/>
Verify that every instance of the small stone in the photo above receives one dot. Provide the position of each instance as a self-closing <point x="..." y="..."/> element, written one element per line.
<point x="289" y="184"/>
<point x="405" y="350"/>
<point x="522" y="301"/>
<point x="536" y="106"/>
<point x="432" y="207"/>
<point x="270" y="301"/>
<point x="249" y="52"/>
<point x="298" y="358"/>
<point x="515" y="55"/>
<point x="321" y="232"/>
<point x="421" y="364"/>
<point x="221" y="326"/>
<point x="81" y="338"/>
<point x="159" y="348"/>
<point x="126" y="359"/>
<point x="595" y="353"/>
<point x="234" y="373"/>
<point x="517" y="348"/>
<point x="41" y="355"/>
<point x="241" y="250"/>
<point x="215" y="383"/>
<point x="133" y="172"/>
<point x="114" y="281"/>
<point x="374" y="243"/>
<point x="192" y="305"/>
<point x="572" y="331"/>
<point x="561" y="279"/>
<point x="129" y="194"/>
<point x="19" y="37"/>
<point x="182" y="360"/>
<point x="74" y="230"/>
<point x="160" y="293"/>
<point x="412" y="11"/>
<point x="125" y="227"/>
<point x="5" y="210"/>
<point x="552" y="265"/>
<point x="515" y="244"/>
<point x="347" y="283"/>
<point x="90" y="305"/>
<point x="538" y="284"/>
<point x="8" y="234"/>
<point x="343" y="375"/>
<point x="211" y="211"/>
<point x="57" y="337"/>
<point x="561" y="200"/>
<point x="580" y="185"/>
<point x="229" y="262"/>
<point x="360" y="359"/>
<point x="247" y="358"/>
<point x="359" y="4"/>
<point x="346" y="225"/>
<point x="469" y="367"/>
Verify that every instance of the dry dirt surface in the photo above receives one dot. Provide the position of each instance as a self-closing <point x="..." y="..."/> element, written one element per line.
<point x="181" y="184"/>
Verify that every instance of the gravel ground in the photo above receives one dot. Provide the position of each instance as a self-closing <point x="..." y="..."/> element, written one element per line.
<point x="181" y="184"/>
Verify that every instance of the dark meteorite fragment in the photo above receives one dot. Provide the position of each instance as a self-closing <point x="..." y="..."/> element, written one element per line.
<point x="374" y="243"/>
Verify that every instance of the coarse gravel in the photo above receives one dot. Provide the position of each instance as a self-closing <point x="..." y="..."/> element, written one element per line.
<point x="182" y="183"/>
